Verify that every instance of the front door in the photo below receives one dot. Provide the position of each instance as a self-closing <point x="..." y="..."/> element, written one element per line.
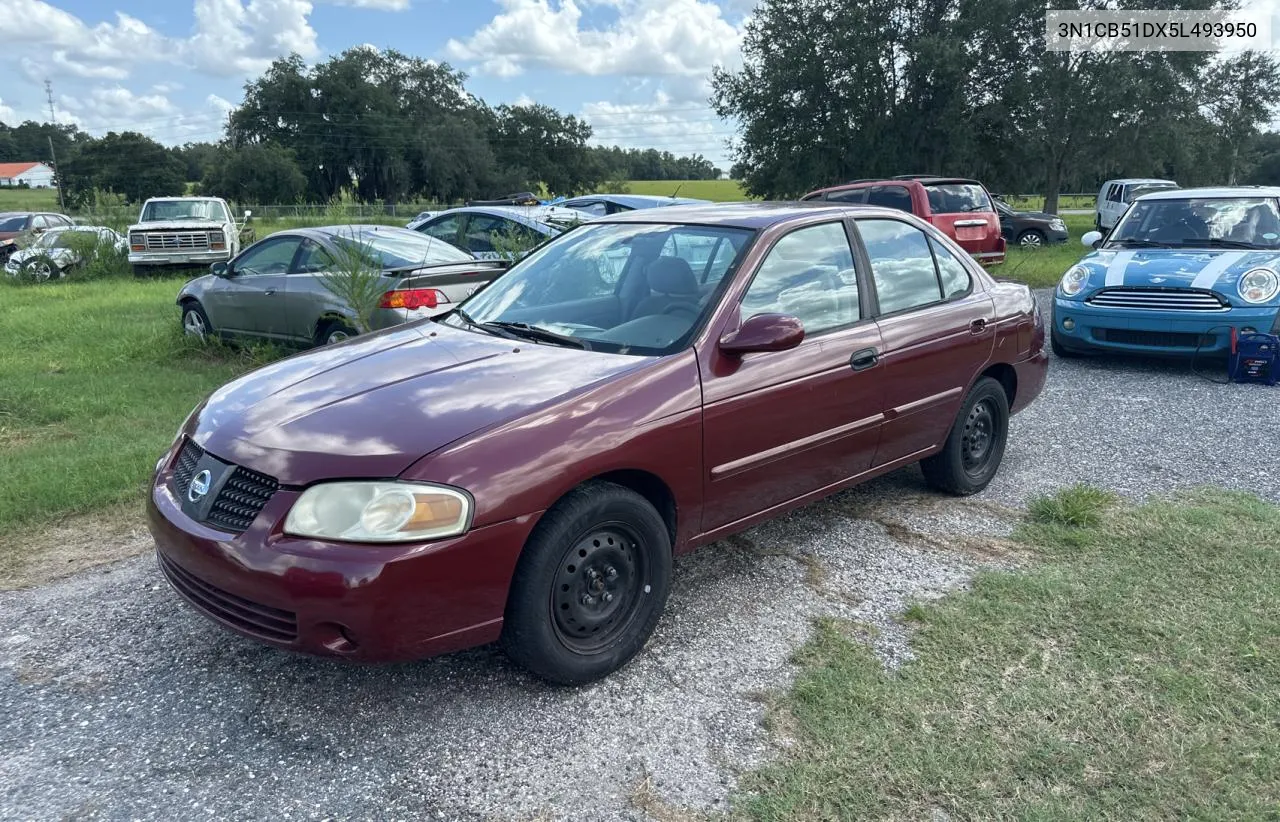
<point x="937" y="333"/>
<point x="778" y="425"/>
<point x="250" y="299"/>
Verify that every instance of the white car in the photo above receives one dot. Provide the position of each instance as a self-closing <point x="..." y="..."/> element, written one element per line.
<point x="1116" y="195"/>
<point x="58" y="250"/>
<point x="473" y="228"/>
<point x="422" y="217"/>
<point x="184" y="231"/>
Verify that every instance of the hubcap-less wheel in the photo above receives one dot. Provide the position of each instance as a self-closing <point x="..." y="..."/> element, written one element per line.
<point x="193" y="324"/>
<point x="597" y="590"/>
<point x="978" y="437"/>
<point x="1030" y="239"/>
<point x="336" y="336"/>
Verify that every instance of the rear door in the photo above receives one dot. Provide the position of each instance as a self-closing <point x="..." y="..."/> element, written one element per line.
<point x="305" y="297"/>
<point x="964" y="212"/>
<point x="493" y="238"/>
<point x="937" y="328"/>
<point x="782" y="424"/>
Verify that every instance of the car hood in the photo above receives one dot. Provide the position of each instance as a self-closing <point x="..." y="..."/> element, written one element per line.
<point x="1218" y="271"/>
<point x="374" y="405"/>
<point x="169" y="225"/>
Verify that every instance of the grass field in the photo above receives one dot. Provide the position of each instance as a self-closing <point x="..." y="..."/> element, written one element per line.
<point x="28" y="199"/>
<point x="1131" y="672"/>
<point x="720" y="191"/>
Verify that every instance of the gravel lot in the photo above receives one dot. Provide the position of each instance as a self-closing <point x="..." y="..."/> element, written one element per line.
<point x="118" y="702"/>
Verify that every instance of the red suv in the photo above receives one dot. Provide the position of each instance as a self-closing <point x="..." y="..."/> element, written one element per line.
<point x="963" y="209"/>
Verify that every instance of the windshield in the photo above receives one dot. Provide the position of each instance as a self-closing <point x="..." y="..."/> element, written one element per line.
<point x="625" y="288"/>
<point x="401" y="249"/>
<point x="1134" y="192"/>
<point x="159" y="210"/>
<point x="955" y="198"/>
<point x="1238" y="222"/>
<point x="13" y="223"/>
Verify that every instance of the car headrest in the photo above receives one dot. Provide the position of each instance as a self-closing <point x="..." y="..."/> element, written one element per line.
<point x="672" y="275"/>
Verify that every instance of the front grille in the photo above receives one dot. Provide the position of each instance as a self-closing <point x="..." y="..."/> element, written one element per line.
<point x="242" y="497"/>
<point x="250" y="617"/>
<point x="1166" y="299"/>
<point x="184" y="240"/>
<point x="1155" y="339"/>
<point x="239" y="501"/>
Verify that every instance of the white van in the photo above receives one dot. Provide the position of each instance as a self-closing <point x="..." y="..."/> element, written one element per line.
<point x="1116" y="195"/>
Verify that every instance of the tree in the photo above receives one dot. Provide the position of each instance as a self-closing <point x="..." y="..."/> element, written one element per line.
<point x="257" y="173"/>
<point x="539" y="146"/>
<point x="128" y="164"/>
<point x="198" y="158"/>
<point x="1239" y="95"/>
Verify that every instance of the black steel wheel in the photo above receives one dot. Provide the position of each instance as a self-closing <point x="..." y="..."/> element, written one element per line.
<point x="590" y="585"/>
<point x="971" y="455"/>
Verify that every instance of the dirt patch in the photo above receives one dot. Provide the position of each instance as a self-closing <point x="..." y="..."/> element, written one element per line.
<point x="71" y="545"/>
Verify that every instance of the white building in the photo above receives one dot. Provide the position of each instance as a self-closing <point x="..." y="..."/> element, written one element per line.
<point x="36" y="175"/>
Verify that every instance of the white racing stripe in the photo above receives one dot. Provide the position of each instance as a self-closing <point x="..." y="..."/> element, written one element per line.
<point x="1211" y="272"/>
<point x="1116" y="269"/>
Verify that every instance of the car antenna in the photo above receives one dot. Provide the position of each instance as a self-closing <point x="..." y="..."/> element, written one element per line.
<point x="677" y="191"/>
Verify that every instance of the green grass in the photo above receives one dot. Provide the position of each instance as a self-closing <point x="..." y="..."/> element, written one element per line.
<point x="1043" y="267"/>
<point x="1132" y="672"/>
<point x="720" y="191"/>
<point x="94" y="381"/>
<point x="28" y="199"/>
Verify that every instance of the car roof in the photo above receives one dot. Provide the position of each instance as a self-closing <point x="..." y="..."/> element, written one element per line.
<point x="635" y="200"/>
<point x="351" y="229"/>
<point x="754" y="215"/>
<point x="532" y="216"/>
<point x="1220" y="192"/>
<point x="1128" y="180"/>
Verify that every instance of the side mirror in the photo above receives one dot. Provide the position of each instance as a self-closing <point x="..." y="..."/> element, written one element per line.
<point x="1091" y="239"/>
<point x="247" y="213"/>
<point x="219" y="269"/>
<point x="763" y="332"/>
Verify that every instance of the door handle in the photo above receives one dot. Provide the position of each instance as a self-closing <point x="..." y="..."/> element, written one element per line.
<point x="864" y="359"/>
<point x="269" y="291"/>
<point x="977" y="326"/>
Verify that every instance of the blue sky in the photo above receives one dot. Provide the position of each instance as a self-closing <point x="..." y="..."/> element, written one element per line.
<point x="637" y="70"/>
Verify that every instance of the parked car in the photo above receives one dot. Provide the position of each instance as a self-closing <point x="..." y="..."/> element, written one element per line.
<point x="59" y="250"/>
<point x="1115" y="195"/>
<point x="275" y="289"/>
<point x="963" y="209"/>
<point x="598" y="205"/>
<point x="525" y="467"/>
<point x="421" y="218"/>
<point x="473" y="228"/>
<point x="16" y="224"/>
<point x="184" y="231"/>
<point x="1030" y="228"/>
<point x="1177" y="274"/>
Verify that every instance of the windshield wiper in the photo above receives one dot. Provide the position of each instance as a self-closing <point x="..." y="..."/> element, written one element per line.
<point x="1226" y="243"/>
<point x="533" y="332"/>
<point x="488" y="328"/>
<point x="1141" y="243"/>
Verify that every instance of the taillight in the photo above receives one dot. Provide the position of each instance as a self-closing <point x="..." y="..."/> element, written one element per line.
<point x="217" y="240"/>
<point x="413" y="298"/>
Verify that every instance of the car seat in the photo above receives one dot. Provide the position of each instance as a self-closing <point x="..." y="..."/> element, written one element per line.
<point x="673" y="289"/>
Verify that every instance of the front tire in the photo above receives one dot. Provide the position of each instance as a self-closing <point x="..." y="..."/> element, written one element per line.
<point x="39" y="270"/>
<point x="1032" y="238"/>
<point x="195" y="323"/>
<point x="971" y="456"/>
<point x="590" y="585"/>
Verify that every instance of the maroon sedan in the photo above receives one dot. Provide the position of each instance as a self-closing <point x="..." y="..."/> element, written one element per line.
<point x="524" y="468"/>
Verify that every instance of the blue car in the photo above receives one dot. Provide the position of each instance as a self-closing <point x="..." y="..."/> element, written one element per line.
<point x="1179" y="271"/>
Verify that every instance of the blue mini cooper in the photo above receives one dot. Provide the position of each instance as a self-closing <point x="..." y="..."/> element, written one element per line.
<point x="1179" y="271"/>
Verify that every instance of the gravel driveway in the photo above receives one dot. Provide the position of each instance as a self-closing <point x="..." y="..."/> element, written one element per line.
<point x="118" y="702"/>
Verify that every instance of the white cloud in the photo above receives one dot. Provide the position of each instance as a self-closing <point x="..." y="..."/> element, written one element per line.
<point x="8" y="114"/>
<point x="381" y="5"/>
<point x="663" y="123"/>
<point x="234" y="37"/>
<point x="648" y="37"/>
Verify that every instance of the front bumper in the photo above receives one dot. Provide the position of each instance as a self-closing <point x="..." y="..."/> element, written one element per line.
<point x="1054" y="237"/>
<point x="179" y="258"/>
<point x="372" y="603"/>
<point x="1154" y="331"/>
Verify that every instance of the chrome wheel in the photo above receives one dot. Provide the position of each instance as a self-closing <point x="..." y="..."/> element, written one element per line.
<point x="193" y="324"/>
<point x="1031" y="240"/>
<point x="336" y="336"/>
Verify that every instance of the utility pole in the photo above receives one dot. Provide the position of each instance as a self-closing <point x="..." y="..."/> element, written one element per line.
<point x="53" y="120"/>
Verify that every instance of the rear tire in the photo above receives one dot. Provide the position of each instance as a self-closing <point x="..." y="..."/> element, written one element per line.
<point x="334" y="332"/>
<point x="971" y="456"/>
<point x="590" y="585"/>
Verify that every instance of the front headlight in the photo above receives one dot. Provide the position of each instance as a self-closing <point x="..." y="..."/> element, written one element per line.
<point x="1259" y="285"/>
<point x="1074" y="281"/>
<point x="1057" y="225"/>
<point x="379" y="511"/>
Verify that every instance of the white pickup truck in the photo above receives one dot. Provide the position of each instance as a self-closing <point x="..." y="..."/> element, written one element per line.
<point x="184" y="231"/>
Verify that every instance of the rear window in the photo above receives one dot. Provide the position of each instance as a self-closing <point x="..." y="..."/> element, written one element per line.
<point x="890" y="197"/>
<point x="957" y="198"/>
<point x="13" y="223"/>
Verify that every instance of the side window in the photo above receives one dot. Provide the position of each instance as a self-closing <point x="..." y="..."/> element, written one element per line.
<point x="808" y="274"/>
<point x="901" y="265"/>
<point x="271" y="257"/>
<point x="481" y="229"/>
<point x="443" y="228"/>
<point x="853" y="195"/>
<point x="39" y="221"/>
<point x="890" y="197"/>
<point x="595" y="208"/>
<point x="314" y="258"/>
<point x="952" y="273"/>
<point x="1116" y="194"/>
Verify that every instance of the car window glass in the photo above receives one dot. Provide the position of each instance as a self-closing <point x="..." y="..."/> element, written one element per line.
<point x="952" y="273"/>
<point x="957" y="198"/>
<point x="482" y="229"/>
<point x="809" y="275"/>
<point x="853" y="195"/>
<point x="39" y="221"/>
<point x="901" y="265"/>
<point x="1116" y="194"/>
<point x="314" y="259"/>
<point x="890" y="197"/>
<point x="443" y="228"/>
<point x="271" y="257"/>
<point x="594" y="208"/>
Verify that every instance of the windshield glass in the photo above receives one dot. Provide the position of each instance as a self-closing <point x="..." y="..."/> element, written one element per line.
<point x="955" y="198"/>
<point x="13" y="223"/>
<point x="1134" y="192"/>
<point x="1247" y="222"/>
<point x="626" y="288"/>
<point x="400" y="248"/>
<point x="159" y="210"/>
